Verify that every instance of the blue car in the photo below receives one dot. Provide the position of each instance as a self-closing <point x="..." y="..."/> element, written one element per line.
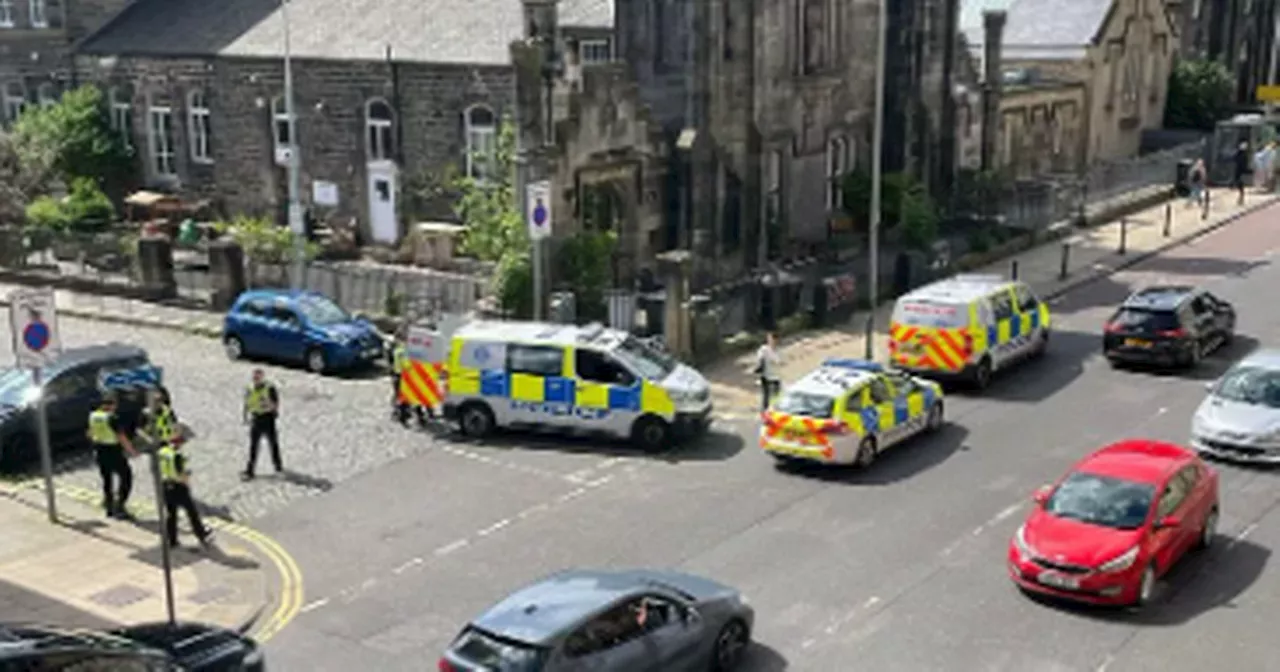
<point x="298" y="326"/>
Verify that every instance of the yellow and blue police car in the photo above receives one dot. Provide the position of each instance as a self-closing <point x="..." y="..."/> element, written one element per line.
<point x="848" y="411"/>
<point x="590" y="379"/>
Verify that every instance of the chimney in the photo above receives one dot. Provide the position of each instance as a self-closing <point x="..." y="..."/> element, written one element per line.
<point x="992" y="56"/>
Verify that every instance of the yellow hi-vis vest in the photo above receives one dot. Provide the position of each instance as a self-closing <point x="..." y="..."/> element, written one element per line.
<point x="256" y="399"/>
<point x="100" y="431"/>
<point x="169" y="472"/>
<point x="401" y="357"/>
<point x="163" y="425"/>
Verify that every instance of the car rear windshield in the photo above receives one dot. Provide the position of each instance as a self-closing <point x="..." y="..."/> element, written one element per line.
<point x="498" y="654"/>
<point x="1102" y="500"/>
<point x="930" y="314"/>
<point x="1251" y="385"/>
<point x="807" y="404"/>
<point x="1145" y="321"/>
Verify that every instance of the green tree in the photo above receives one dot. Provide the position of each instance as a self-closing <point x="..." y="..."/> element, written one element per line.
<point x="585" y="262"/>
<point x="22" y="177"/>
<point x="1200" y="93"/>
<point x="904" y="204"/>
<point x="74" y="138"/>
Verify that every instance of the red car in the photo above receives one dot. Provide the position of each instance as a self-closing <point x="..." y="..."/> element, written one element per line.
<point x="1118" y="521"/>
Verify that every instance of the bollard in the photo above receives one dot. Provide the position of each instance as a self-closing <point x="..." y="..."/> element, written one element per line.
<point x="1064" y="271"/>
<point x="1124" y="234"/>
<point x="1013" y="270"/>
<point x="1204" y="214"/>
<point x="1168" y="220"/>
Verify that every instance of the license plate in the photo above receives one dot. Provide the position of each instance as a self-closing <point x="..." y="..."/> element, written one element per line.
<point x="1136" y="343"/>
<point x="913" y="348"/>
<point x="1059" y="581"/>
<point x="795" y="434"/>
<point x="371" y="353"/>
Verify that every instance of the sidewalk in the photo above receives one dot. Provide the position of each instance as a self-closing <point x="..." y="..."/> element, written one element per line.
<point x="735" y="391"/>
<point x="91" y="571"/>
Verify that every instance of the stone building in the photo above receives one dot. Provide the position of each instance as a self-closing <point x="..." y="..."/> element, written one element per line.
<point x="1240" y="34"/>
<point x="384" y="92"/>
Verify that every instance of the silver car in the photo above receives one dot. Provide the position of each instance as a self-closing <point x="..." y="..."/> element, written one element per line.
<point x="1240" y="419"/>
<point x="597" y="621"/>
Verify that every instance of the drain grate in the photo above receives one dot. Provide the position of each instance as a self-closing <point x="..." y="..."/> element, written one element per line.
<point x="122" y="595"/>
<point x="209" y="595"/>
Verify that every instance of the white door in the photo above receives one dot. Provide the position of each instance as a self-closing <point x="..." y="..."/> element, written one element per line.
<point x="382" y="204"/>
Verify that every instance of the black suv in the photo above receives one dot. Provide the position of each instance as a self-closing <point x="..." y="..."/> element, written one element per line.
<point x="71" y="383"/>
<point x="158" y="647"/>
<point x="1168" y="326"/>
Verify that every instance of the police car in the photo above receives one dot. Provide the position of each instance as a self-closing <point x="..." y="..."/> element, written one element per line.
<point x="848" y="411"/>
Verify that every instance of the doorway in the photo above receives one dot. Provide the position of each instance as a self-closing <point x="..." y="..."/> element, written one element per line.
<point x="383" y="226"/>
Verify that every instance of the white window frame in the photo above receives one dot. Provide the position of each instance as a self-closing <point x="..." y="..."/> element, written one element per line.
<point x="199" y="127"/>
<point x="479" y="138"/>
<point x="837" y="166"/>
<point x="379" y="133"/>
<point x="47" y="95"/>
<point x="13" y="104"/>
<point x="6" y="14"/>
<point x="280" y="117"/>
<point x="598" y="50"/>
<point x="160" y="152"/>
<point x="121" y="116"/>
<point x="39" y="14"/>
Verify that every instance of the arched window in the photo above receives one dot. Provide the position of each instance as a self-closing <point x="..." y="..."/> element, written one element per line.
<point x="39" y="14"/>
<point x="47" y="94"/>
<point x="6" y="13"/>
<point x="284" y="128"/>
<point x="160" y="136"/>
<point x="15" y="101"/>
<point x="199" y="128"/>
<point x="121" y="101"/>
<point x="482" y="136"/>
<point x="837" y="166"/>
<point x="379" y="121"/>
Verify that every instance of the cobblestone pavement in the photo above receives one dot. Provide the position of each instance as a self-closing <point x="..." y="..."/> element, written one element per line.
<point x="331" y="428"/>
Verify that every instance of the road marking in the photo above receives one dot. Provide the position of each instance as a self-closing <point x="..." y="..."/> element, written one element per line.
<point x="533" y="510"/>
<point x="407" y="566"/>
<point x="494" y="527"/>
<point x="314" y="605"/>
<point x="449" y="548"/>
<point x="1106" y="663"/>
<point x="871" y="602"/>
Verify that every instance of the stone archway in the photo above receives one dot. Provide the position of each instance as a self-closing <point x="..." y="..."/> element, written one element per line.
<point x="607" y="201"/>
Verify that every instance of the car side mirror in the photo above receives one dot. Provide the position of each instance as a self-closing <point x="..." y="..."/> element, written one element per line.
<point x="1169" y="522"/>
<point x="1208" y="387"/>
<point x="1042" y="495"/>
<point x="690" y="616"/>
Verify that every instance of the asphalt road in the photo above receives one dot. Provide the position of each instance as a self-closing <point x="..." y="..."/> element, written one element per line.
<point x="897" y="568"/>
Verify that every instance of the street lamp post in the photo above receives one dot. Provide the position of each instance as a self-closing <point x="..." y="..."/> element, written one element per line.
<point x="877" y="153"/>
<point x="296" y="223"/>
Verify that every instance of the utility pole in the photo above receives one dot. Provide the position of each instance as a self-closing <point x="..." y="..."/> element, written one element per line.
<point x="877" y="157"/>
<point x="296" y="223"/>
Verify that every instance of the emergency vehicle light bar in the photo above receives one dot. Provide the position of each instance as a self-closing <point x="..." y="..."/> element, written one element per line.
<point x="854" y="364"/>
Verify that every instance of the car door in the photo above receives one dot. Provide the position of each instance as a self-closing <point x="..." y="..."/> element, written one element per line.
<point x="675" y="633"/>
<point x="1224" y="315"/>
<point x="607" y="642"/>
<point x="1166" y="542"/>
<point x="1027" y="305"/>
<point x="604" y="391"/>
<point x="1003" y="342"/>
<point x="285" y="336"/>
<point x="249" y="323"/>
<point x="1194" y="507"/>
<point x="69" y="398"/>
<point x="908" y="402"/>
<point x="880" y="397"/>
<point x="540" y="393"/>
<point x="1204" y="320"/>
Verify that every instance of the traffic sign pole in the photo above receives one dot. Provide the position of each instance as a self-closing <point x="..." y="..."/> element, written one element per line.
<point x="538" y="214"/>
<point x="46" y="449"/>
<point x="33" y="325"/>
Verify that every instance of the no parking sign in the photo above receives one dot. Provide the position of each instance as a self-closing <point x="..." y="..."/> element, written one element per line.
<point x="33" y="323"/>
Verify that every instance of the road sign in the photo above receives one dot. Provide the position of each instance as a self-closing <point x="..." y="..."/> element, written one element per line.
<point x="147" y="377"/>
<point x="1268" y="93"/>
<point x="539" y="209"/>
<point x="33" y="322"/>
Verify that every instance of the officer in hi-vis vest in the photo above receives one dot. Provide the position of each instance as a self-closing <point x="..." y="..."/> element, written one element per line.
<point x="110" y="445"/>
<point x="261" y="408"/>
<point x="159" y="421"/>
<point x="400" y="362"/>
<point x="175" y="475"/>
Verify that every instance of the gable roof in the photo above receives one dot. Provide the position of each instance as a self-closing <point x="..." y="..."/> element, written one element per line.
<point x="473" y="32"/>
<point x="1052" y="29"/>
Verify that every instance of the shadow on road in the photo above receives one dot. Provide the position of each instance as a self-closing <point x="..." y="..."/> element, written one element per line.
<point x="305" y="480"/>
<point x="895" y="464"/>
<point x="1034" y="381"/>
<point x="762" y="658"/>
<point x="1212" y="366"/>
<point x="20" y="605"/>
<point x="710" y="447"/>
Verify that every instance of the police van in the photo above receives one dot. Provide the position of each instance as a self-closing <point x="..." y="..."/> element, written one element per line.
<point x="967" y="326"/>
<point x="588" y="379"/>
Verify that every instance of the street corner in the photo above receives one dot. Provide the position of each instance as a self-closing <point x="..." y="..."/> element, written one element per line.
<point x="243" y="580"/>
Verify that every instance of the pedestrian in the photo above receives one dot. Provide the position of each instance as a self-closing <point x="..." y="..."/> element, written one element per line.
<point x="159" y="421"/>
<point x="400" y="359"/>
<point x="1243" y="167"/>
<point x="110" y="445"/>
<point x="261" y="410"/>
<point x="1195" y="183"/>
<point x="175" y="475"/>
<point x="767" y="363"/>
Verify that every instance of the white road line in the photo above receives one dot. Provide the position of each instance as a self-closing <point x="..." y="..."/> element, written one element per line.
<point x="1008" y="511"/>
<point x="871" y="602"/>
<point x="449" y="548"/>
<point x="1245" y="533"/>
<point x="407" y="566"/>
<point x="532" y="511"/>
<point x="808" y="643"/>
<point x="1106" y="663"/>
<point x="572" y="494"/>
<point x="313" y="606"/>
<point x="494" y="527"/>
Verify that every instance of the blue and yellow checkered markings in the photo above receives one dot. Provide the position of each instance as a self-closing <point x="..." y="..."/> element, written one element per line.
<point x="930" y="396"/>
<point x="870" y="421"/>
<point x="558" y="390"/>
<point x="901" y="411"/>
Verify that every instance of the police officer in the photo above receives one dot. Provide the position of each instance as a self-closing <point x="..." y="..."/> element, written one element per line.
<point x="400" y="362"/>
<point x="261" y="408"/>
<point x="159" y="421"/>
<point x="110" y="444"/>
<point x="175" y="475"/>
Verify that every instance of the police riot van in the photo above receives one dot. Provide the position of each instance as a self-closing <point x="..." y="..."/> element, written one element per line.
<point x="590" y="380"/>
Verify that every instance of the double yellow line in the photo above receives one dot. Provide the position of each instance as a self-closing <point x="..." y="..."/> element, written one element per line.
<point x="289" y="602"/>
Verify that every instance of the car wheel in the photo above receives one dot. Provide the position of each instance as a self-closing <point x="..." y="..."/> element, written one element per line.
<point x="936" y="418"/>
<point x="866" y="452"/>
<point x="1146" y="587"/>
<point x="234" y="347"/>
<point x="982" y="375"/>
<point x="1210" y="529"/>
<point x="731" y="644"/>
<point x="316" y="362"/>
<point x="651" y="434"/>
<point x="476" y="420"/>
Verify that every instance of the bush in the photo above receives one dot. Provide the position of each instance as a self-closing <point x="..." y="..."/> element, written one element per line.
<point x="264" y="242"/>
<point x="46" y="215"/>
<point x="903" y="202"/>
<point x="87" y="207"/>
<point x="1200" y="94"/>
<point x="585" y="263"/>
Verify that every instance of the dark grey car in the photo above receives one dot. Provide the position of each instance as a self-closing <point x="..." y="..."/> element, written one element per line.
<point x="632" y="620"/>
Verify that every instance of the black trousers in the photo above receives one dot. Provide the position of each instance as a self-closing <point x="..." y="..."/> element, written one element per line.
<point x="260" y="427"/>
<point x="114" y="466"/>
<point x="768" y="388"/>
<point x="178" y="496"/>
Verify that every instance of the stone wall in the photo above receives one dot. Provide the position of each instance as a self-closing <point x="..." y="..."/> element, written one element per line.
<point x="36" y="56"/>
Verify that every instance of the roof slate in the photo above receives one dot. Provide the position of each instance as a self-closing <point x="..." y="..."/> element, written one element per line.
<point x="474" y="32"/>
<point x="1053" y="23"/>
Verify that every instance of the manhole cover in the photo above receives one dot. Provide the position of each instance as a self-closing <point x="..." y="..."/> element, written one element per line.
<point x="122" y="595"/>
<point x="208" y="595"/>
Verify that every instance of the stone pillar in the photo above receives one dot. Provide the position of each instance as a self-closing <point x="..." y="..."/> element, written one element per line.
<point x="674" y="267"/>
<point x="226" y="272"/>
<point x="155" y="267"/>
<point x="992" y="86"/>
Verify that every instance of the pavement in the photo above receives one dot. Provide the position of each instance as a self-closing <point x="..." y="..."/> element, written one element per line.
<point x="91" y="571"/>
<point x="1091" y="253"/>
<point x="900" y="567"/>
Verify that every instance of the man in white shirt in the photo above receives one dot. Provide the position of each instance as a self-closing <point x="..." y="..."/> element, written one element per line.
<point x="767" y="368"/>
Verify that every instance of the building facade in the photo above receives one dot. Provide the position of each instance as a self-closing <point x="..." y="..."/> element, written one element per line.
<point x="1240" y="34"/>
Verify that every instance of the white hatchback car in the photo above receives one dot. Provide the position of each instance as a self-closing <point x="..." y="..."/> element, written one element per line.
<point x="1240" y="419"/>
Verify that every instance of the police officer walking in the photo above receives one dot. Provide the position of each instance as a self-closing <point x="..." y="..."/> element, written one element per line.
<point x="175" y="475"/>
<point x="261" y="408"/>
<point x="110" y="443"/>
<point x="159" y="421"/>
<point x="400" y="362"/>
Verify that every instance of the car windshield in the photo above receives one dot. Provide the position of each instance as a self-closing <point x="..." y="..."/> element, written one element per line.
<point x="500" y="655"/>
<point x="1251" y="385"/>
<point x="1102" y="500"/>
<point x="321" y="311"/>
<point x="930" y="314"/>
<point x="13" y="385"/>
<point x="805" y="403"/>
<point x="1146" y="321"/>
<point x="644" y="360"/>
